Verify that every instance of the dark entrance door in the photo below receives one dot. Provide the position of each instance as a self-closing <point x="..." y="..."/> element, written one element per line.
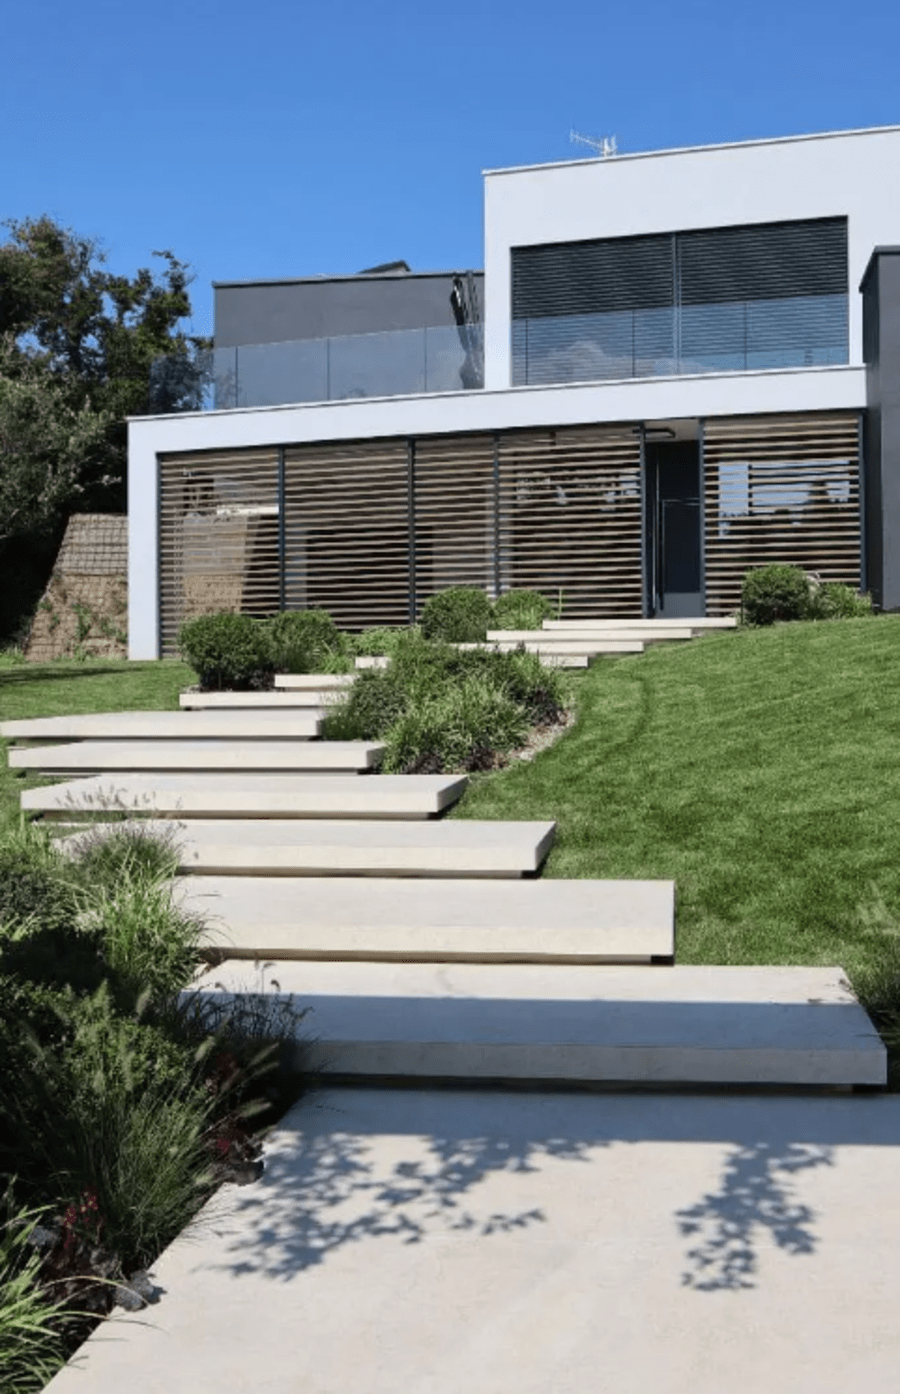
<point x="673" y="513"/>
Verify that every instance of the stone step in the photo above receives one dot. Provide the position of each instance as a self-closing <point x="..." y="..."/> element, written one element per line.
<point x="551" y="657"/>
<point x="281" y="699"/>
<point x="289" y="724"/>
<point x="314" y="682"/>
<point x="603" y="1024"/>
<point x="95" y="757"/>
<point x="262" y="796"/>
<point x="553" y="648"/>
<point x="472" y="921"/>
<point x="351" y="847"/>
<point x="695" y="622"/>
<point x="549" y="639"/>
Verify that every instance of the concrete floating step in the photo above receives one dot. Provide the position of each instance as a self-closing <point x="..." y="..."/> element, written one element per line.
<point x="548" y="640"/>
<point x="292" y="725"/>
<point x="473" y="921"/>
<point x="93" y="757"/>
<point x="314" y="682"/>
<point x="698" y="623"/>
<point x="253" y="796"/>
<point x="254" y="701"/>
<point x="553" y="648"/>
<point x="605" y="1025"/>
<point x="347" y="847"/>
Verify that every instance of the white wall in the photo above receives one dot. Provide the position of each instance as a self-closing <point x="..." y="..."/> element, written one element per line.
<point x="852" y="174"/>
<point x="632" y="400"/>
<point x="143" y="551"/>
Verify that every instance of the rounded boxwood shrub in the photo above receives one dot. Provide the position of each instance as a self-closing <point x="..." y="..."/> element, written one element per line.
<point x="227" y="650"/>
<point x="460" y="615"/>
<point x="303" y="641"/>
<point x="775" y="592"/>
<point x="521" y="609"/>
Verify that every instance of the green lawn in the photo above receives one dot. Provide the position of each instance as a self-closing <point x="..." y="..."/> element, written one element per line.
<point x="94" y="685"/>
<point x="758" y="769"/>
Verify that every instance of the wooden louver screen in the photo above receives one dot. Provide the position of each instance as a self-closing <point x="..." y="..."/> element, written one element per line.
<point x="570" y="518"/>
<point x="346" y="531"/>
<point x="454" y="514"/>
<point x="782" y="489"/>
<point x="218" y="536"/>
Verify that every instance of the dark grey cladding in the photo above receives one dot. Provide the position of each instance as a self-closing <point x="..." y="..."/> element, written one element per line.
<point x="881" y="348"/>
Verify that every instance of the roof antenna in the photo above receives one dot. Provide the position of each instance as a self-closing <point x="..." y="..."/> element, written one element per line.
<point x="605" y="147"/>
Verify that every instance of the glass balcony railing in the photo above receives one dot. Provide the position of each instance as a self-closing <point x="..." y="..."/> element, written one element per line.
<point x="394" y="363"/>
<point x="797" y="332"/>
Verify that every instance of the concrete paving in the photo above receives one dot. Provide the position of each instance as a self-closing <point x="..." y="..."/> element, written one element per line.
<point x="339" y="847"/>
<point x="259" y="796"/>
<point x="681" y="1025"/>
<point x="318" y="757"/>
<point x="272" y="724"/>
<point x="441" y="1242"/>
<point x="438" y="921"/>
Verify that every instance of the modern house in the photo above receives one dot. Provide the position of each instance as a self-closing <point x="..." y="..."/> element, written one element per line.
<point x="676" y="366"/>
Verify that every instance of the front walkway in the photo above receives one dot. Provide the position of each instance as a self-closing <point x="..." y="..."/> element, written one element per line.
<point x="465" y="1242"/>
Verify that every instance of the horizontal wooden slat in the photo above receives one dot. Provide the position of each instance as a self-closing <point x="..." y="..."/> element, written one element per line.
<point x="780" y="489"/>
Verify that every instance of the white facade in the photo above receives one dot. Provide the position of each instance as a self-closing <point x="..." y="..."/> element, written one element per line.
<point x="850" y="174"/>
<point x="843" y="175"/>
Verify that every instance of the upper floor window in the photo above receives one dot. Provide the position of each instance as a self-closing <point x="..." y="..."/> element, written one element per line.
<point x="772" y="295"/>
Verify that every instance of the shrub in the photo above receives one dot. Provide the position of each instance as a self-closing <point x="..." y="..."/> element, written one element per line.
<point x="34" y="879"/>
<point x="227" y="650"/>
<point x="105" y="853"/>
<point x="145" y="941"/>
<point x="305" y="641"/>
<point x="775" y="592"/>
<point x="463" y="727"/>
<point x="832" y="601"/>
<point x="521" y="609"/>
<point x="376" y="699"/>
<point x="460" y="615"/>
<point x="380" y="639"/>
<point x="31" y="1348"/>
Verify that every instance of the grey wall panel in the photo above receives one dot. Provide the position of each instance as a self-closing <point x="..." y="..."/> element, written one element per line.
<point x="881" y="342"/>
<point x="266" y="312"/>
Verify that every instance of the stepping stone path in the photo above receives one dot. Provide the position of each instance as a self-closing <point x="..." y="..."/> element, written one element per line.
<point x="422" y="946"/>
<point x="423" y="951"/>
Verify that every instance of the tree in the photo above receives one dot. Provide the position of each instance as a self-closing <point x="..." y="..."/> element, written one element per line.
<point x="87" y="340"/>
<point x="81" y="349"/>
<point x="47" y="446"/>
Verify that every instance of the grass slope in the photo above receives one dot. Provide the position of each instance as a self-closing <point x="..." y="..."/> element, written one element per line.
<point x="94" y="685"/>
<point x="758" y="769"/>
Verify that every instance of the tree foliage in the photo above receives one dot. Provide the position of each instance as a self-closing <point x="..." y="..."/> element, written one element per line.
<point x="81" y="349"/>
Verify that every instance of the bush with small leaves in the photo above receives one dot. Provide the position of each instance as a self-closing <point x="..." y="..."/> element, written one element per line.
<point x="460" y="615"/>
<point x="775" y="592"/>
<point x="521" y="609"/>
<point x="227" y="651"/>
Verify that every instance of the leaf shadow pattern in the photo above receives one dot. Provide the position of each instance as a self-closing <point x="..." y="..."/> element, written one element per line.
<point x="326" y="1190"/>
<point x="755" y="1194"/>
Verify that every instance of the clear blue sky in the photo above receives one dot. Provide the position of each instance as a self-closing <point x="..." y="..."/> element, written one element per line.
<point x="278" y="139"/>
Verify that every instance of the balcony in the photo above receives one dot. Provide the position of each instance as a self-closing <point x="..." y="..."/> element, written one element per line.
<point x="394" y="363"/>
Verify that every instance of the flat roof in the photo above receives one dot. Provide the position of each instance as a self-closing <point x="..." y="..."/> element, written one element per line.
<point x="356" y="276"/>
<point x="689" y="150"/>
